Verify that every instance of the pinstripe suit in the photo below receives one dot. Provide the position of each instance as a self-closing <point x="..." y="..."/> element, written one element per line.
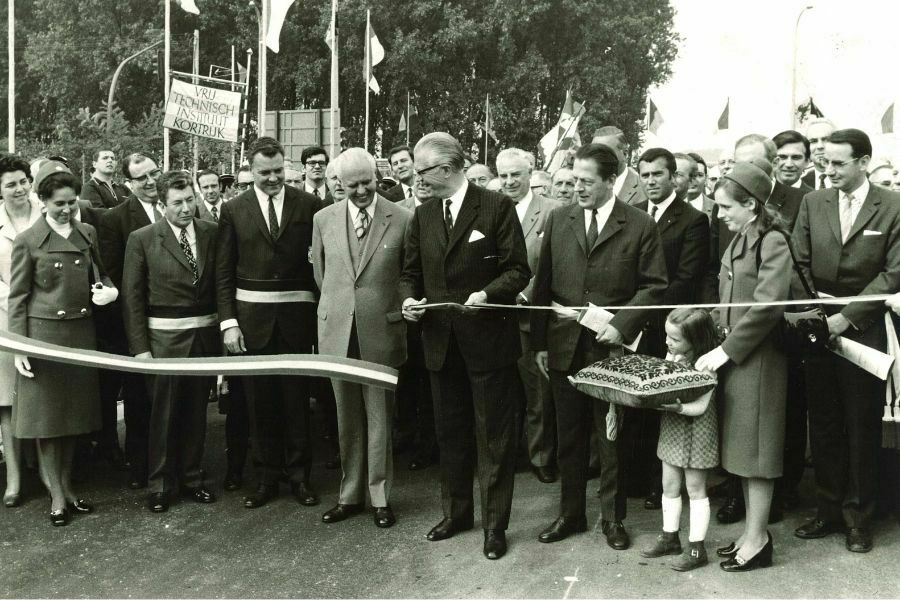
<point x="157" y="277"/>
<point x="472" y="357"/>
<point x="248" y="257"/>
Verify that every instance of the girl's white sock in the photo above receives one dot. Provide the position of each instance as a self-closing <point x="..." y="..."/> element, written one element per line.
<point x="671" y="509"/>
<point x="699" y="519"/>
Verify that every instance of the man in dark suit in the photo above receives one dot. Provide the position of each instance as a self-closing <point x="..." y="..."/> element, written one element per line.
<point x="628" y="184"/>
<point x="116" y="224"/>
<point x="466" y="246"/>
<point x="696" y="194"/>
<point x="267" y="305"/>
<point x="818" y="132"/>
<point x="605" y="252"/>
<point x="791" y="158"/>
<point x="100" y="190"/>
<point x="403" y="167"/>
<point x="315" y="161"/>
<point x="846" y="241"/>
<point x="684" y="233"/>
<point x="210" y="207"/>
<point x="169" y="301"/>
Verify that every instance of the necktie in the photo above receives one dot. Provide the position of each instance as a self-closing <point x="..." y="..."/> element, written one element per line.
<point x="215" y="213"/>
<point x="822" y="181"/>
<point x="156" y="214"/>
<point x="273" y="218"/>
<point x="409" y="192"/>
<point x="186" y="246"/>
<point x="846" y="217"/>
<point x="316" y="192"/>
<point x="653" y="211"/>
<point x="448" y="216"/>
<point x="592" y="230"/>
<point x="362" y="224"/>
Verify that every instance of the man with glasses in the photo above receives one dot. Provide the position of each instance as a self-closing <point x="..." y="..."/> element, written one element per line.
<point x="315" y="159"/>
<point x="846" y="242"/>
<point x="116" y="225"/>
<point x="243" y="181"/>
<point x="818" y="132"/>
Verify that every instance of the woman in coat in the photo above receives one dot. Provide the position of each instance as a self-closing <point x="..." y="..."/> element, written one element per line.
<point x="756" y="267"/>
<point x="56" y="275"/>
<point x="18" y="212"/>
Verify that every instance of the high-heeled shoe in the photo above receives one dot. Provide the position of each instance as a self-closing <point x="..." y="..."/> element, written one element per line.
<point x="727" y="551"/>
<point x="12" y="500"/>
<point x="59" y="518"/>
<point x="762" y="559"/>
<point x="80" y="506"/>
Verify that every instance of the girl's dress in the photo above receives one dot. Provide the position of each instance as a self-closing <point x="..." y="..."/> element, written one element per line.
<point x="689" y="442"/>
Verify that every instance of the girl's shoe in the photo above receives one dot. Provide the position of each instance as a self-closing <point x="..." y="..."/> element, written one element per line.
<point x="693" y="558"/>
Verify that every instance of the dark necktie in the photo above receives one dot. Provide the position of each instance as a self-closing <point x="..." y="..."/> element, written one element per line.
<point x="822" y="181"/>
<point x="592" y="230"/>
<point x="316" y="192"/>
<point x="273" y="218"/>
<point x="186" y="246"/>
<point x="215" y="213"/>
<point x="653" y="211"/>
<point x="448" y="216"/>
<point x="409" y="192"/>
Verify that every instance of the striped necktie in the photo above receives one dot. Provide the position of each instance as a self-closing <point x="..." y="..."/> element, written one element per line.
<point x="186" y="247"/>
<point x="273" y="218"/>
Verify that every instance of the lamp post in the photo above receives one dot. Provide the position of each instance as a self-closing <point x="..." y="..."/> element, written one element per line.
<point x="794" y="67"/>
<point x="115" y="82"/>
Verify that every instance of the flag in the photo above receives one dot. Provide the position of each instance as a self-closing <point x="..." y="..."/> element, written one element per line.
<point x="654" y="118"/>
<point x="489" y="121"/>
<point x="402" y="126"/>
<point x="723" y="118"/>
<point x="189" y="6"/>
<point x="277" y="13"/>
<point x="329" y="35"/>
<point x="563" y="136"/>
<point x="887" y="120"/>
<point x="807" y="110"/>
<point x="242" y="73"/>
<point x="374" y="55"/>
<point x="814" y="110"/>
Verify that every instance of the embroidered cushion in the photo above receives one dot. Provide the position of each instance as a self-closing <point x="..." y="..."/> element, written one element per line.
<point x="642" y="381"/>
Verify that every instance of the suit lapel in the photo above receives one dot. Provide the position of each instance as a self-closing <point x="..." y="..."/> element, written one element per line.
<point x="138" y="215"/>
<point x="866" y="212"/>
<point x="612" y="226"/>
<point x="380" y="222"/>
<point x="288" y="208"/>
<point x="777" y="198"/>
<point x="467" y="214"/>
<point x="340" y="229"/>
<point x="532" y="215"/>
<point x="576" y="223"/>
<point x="832" y="213"/>
<point x="671" y="215"/>
<point x="203" y="242"/>
<point x="256" y="214"/>
<point x="170" y="243"/>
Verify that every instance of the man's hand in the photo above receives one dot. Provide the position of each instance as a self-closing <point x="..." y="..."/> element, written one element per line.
<point x="410" y="313"/>
<point x="23" y="366"/>
<point x="712" y="360"/>
<point x="837" y="324"/>
<point x="542" y="360"/>
<point x="147" y="354"/>
<point x="476" y="298"/>
<point x="610" y="336"/>
<point x="233" y="339"/>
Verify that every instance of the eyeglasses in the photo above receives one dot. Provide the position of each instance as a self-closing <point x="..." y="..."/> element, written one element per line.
<point x="838" y="164"/>
<point x="421" y="172"/>
<point x="242" y="186"/>
<point x="154" y="175"/>
<point x="315" y="163"/>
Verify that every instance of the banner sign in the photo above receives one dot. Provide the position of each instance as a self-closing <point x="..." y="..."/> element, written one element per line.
<point x="204" y="111"/>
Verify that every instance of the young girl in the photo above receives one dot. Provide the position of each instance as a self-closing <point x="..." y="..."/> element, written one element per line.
<point x="688" y="444"/>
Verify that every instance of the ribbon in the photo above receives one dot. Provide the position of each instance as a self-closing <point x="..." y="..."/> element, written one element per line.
<point x="311" y="365"/>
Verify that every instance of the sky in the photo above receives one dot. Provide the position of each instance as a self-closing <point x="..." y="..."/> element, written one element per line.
<point x="743" y="51"/>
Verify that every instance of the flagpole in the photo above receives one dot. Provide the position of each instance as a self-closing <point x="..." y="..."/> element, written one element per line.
<point x="334" y="75"/>
<point x="408" y="117"/>
<point x="196" y="70"/>
<point x="167" y="67"/>
<point x="246" y="106"/>
<point x="11" y="51"/>
<point x="487" y="108"/>
<point x="232" y="89"/>
<point x="261" y="67"/>
<point x="368" y="72"/>
<point x="565" y="134"/>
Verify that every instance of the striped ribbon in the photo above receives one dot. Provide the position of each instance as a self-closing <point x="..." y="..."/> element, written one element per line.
<point x="313" y="365"/>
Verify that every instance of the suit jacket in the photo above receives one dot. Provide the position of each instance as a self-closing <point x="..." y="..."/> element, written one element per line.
<point x="204" y="214"/>
<point x="868" y="263"/>
<point x="632" y="191"/>
<point x="99" y="195"/>
<point x="809" y="180"/>
<point x="449" y="270"/>
<point x="158" y="276"/>
<point x="116" y="224"/>
<point x="533" y="229"/>
<point x="626" y="266"/>
<point x="247" y="255"/>
<point x="708" y="205"/>
<point x="395" y="194"/>
<point x="90" y="215"/>
<point x="7" y="237"/>
<point x="366" y="296"/>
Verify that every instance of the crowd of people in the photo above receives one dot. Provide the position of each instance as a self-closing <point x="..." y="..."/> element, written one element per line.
<point x="325" y="258"/>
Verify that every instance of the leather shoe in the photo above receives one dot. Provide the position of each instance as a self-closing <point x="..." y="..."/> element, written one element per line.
<point x="384" y="517"/>
<point x="562" y="528"/>
<point x="59" y="518"/>
<point x="732" y="512"/>
<point x="859" y="539"/>
<point x="727" y="551"/>
<point x="447" y="528"/>
<point x="494" y="543"/>
<point x="200" y="495"/>
<point x="263" y="494"/>
<point x="80" y="506"/>
<point x="544" y="474"/>
<point x="653" y="501"/>
<point x="304" y="493"/>
<point x="233" y="481"/>
<point x="158" y="502"/>
<point x="616" y="536"/>
<point x="341" y="512"/>
<point x="816" y="528"/>
<point x="761" y="559"/>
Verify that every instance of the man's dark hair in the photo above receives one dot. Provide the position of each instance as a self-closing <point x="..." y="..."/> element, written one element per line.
<point x="603" y="156"/>
<point x="172" y="180"/>
<point x="10" y="163"/>
<point x="857" y="139"/>
<point x="133" y="158"/>
<point x="207" y="172"/>
<point x="398" y="150"/>
<point x="57" y="181"/>
<point x="267" y="146"/>
<point x="699" y="160"/>
<point x="651" y="154"/>
<point x="96" y="154"/>
<point x="791" y="137"/>
<point x="311" y="151"/>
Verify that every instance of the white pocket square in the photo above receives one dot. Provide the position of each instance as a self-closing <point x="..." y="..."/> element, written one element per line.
<point x="475" y="236"/>
<point x="871" y="232"/>
<point x="540" y="235"/>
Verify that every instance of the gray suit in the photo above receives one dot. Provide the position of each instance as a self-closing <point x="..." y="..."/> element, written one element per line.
<point x="632" y="191"/>
<point x="359" y="316"/>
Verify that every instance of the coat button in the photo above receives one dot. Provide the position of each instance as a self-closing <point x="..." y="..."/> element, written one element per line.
<point x="57" y="265"/>
<point x="61" y="314"/>
<point x="84" y="311"/>
<point x="276" y="275"/>
<point x="730" y="275"/>
<point x="77" y="261"/>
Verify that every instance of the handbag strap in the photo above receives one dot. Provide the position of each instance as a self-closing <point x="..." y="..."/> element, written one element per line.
<point x="810" y="292"/>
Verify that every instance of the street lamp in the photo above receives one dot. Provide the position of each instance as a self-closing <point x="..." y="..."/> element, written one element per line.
<point x="794" y="66"/>
<point x="115" y="81"/>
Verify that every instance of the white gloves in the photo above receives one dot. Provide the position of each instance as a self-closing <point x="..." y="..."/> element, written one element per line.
<point x="102" y="295"/>
<point x="712" y="360"/>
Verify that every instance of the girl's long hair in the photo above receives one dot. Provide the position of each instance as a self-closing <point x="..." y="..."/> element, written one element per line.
<point x="697" y="327"/>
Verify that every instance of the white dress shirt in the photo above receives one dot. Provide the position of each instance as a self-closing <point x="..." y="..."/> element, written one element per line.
<point x="191" y="236"/>
<point x="662" y="206"/>
<point x="859" y="196"/>
<point x="456" y="201"/>
<point x="522" y="205"/>
<point x="603" y="213"/>
<point x="263" y="199"/>
<point x="354" y="211"/>
<point x="148" y="208"/>
<point x="408" y="192"/>
<point x="323" y="190"/>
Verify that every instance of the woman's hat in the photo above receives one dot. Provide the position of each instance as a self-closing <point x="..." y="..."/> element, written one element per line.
<point x="47" y="168"/>
<point x="755" y="176"/>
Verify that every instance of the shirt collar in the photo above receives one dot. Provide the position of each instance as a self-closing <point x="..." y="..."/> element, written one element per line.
<point x="354" y="210"/>
<point x="526" y="200"/>
<point x="860" y="193"/>
<point x="459" y="194"/>
<point x="209" y="206"/>
<point x="177" y="230"/>
<point x="311" y="188"/>
<point x="662" y="206"/>
<point x="264" y="197"/>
